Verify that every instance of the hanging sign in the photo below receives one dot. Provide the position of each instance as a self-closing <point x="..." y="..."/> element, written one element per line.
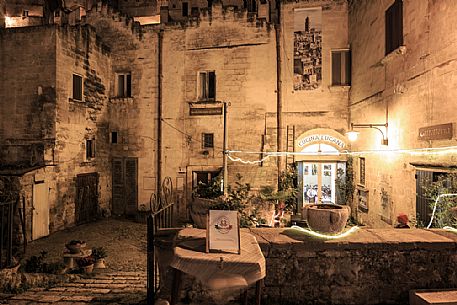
<point x="321" y="138"/>
<point x="436" y="132"/>
<point x="223" y="231"/>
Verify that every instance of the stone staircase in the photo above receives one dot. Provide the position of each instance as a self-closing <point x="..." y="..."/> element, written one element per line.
<point x="99" y="288"/>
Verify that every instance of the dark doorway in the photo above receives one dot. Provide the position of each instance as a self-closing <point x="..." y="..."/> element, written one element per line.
<point x="125" y="186"/>
<point x="86" y="207"/>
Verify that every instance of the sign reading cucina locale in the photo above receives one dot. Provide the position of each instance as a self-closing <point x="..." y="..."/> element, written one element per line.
<point x="321" y="138"/>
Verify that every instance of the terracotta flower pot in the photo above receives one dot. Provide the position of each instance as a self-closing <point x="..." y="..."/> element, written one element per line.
<point x="326" y="218"/>
<point x="100" y="263"/>
<point x="89" y="268"/>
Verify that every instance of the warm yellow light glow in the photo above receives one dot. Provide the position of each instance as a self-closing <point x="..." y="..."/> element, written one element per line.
<point x="325" y="236"/>
<point x="352" y="135"/>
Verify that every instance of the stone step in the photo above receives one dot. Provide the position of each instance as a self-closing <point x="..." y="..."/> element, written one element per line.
<point x="435" y="297"/>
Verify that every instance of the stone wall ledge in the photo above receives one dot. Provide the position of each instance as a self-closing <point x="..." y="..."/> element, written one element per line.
<point x="388" y="239"/>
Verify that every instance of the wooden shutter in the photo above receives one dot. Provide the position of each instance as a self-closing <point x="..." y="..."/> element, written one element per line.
<point x="336" y="68"/>
<point x="120" y="85"/>
<point x="131" y="184"/>
<point x="394" y="26"/>
<point x="129" y="85"/>
<point x="118" y="187"/>
<point x="77" y="87"/>
<point x="212" y="85"/>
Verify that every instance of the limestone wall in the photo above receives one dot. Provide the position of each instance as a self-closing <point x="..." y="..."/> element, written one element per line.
<point x="27" y="94"/>
<point x="80" y="52"/>
<point x="416" y="83"/>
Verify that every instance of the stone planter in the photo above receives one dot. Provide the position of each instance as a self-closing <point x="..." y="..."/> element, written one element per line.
<point x="199" y="211"/>
<point x="326" y="218"/>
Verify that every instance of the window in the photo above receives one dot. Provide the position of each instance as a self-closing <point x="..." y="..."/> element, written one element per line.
<point x="124" y="84"/>
<point x="185" y="9"/>
<point x="114" y="137"/>
<point x="394" y="26"/>
<point x="90" y="149"/>
<point x="362" y="171"/>
<point x="208" y="140"/>
<point x="77" y="87"/>
<point x="25" y="13"/>
<point x="341" y="68"/>
<point x="207" y="85"/>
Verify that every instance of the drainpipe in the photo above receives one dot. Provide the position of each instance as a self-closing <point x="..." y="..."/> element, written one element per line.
<point x="279" y="122"/>
<point x="159" y="111"/>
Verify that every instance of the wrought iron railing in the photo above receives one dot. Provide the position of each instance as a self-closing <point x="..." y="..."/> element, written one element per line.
<point x="161" y="216"/>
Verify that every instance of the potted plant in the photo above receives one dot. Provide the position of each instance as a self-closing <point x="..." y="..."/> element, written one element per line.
<point x="205" y="196"/>
<point x="99" y="254"/>
<point x="86" y="264"/>
<point x="75" y="245"/>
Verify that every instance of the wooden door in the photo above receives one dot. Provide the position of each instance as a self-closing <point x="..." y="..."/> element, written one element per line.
<point x="125" y="186"/>
<point x="86" y="207"/>
<point x="40" y="224"/>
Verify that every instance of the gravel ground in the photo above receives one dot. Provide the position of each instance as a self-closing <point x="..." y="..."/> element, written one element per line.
<point x="125" y="242"/>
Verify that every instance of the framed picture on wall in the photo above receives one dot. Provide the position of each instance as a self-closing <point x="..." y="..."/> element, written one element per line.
<point x="223" y="231"/>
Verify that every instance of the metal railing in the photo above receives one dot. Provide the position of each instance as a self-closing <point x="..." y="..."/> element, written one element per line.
<point x="6" y="233"/>
<point x="161" y="216"/>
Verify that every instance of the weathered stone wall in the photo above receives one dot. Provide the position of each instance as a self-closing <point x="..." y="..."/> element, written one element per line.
<point x="368" y="267"/>
<point x="27" y="95"/>
<point x="417" y="84"/>
<point x="134" y="118"/>
<point x="326" y="106"/>
<point x="242" y="54"/>
<point x="79" y="51"/>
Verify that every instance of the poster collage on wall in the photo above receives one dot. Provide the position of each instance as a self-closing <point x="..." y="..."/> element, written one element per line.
<point x="307" y="48"/>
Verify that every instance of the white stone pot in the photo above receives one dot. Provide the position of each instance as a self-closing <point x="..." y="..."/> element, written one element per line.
<point x="326" y="218"/>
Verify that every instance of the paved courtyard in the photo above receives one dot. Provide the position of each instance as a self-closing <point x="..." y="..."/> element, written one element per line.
<point x="122" y="282"/>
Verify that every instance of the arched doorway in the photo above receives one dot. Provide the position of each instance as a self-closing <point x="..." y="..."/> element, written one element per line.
<point x="319" y="165"/>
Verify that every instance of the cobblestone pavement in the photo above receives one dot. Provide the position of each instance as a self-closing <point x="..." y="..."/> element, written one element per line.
<point x="104" y="288"/>
<point x="124" y="280"/>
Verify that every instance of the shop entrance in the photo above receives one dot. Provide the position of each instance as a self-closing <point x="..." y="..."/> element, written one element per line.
<point x="319" y="182"/>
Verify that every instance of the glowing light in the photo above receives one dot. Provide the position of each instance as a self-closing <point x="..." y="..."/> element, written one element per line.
<point x="325" y="236"/>
<point x="436" y="203"/>
<point x="447" y="228"/>
<point x="352" y="135"/>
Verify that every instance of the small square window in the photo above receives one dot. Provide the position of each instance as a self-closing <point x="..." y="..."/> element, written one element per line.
<point x="341" y="68"/>
<point x="207" y="85"/>
<point x="90" y="149"/>
<point x="77" y="87"/>
<point x="114" y="137"/>
<point x="208" y="140"/>
<point x="25" y="13"/>
<point x="124" y="84"/>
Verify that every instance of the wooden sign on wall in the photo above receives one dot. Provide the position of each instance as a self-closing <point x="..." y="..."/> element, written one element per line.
<point x="436" y="132"/>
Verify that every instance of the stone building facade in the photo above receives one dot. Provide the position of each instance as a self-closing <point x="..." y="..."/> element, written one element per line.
<point x="152" y="100"/>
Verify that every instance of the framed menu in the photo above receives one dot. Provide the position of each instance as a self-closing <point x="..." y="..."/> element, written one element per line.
<point x="223" y="231"/>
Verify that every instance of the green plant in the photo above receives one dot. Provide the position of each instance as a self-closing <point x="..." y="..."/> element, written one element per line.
<point x="211" y="190"/>
<point x="446" y="207"/>
<point x="99" y="253"/>
<point x="37" y="264"/>
<point x="85" y="261"/>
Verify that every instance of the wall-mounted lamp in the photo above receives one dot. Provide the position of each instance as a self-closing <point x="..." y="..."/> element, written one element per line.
<point x="352" y="135"/>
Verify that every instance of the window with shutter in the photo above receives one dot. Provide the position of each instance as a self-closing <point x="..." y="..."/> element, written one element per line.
<point x="208" y="140"/>
<point x="207" y="85"/>
<point x="77" y="87"/>
<point x="124" y="84"/>
<point x="341" y="68"/>
<point x="394" y="26"/>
